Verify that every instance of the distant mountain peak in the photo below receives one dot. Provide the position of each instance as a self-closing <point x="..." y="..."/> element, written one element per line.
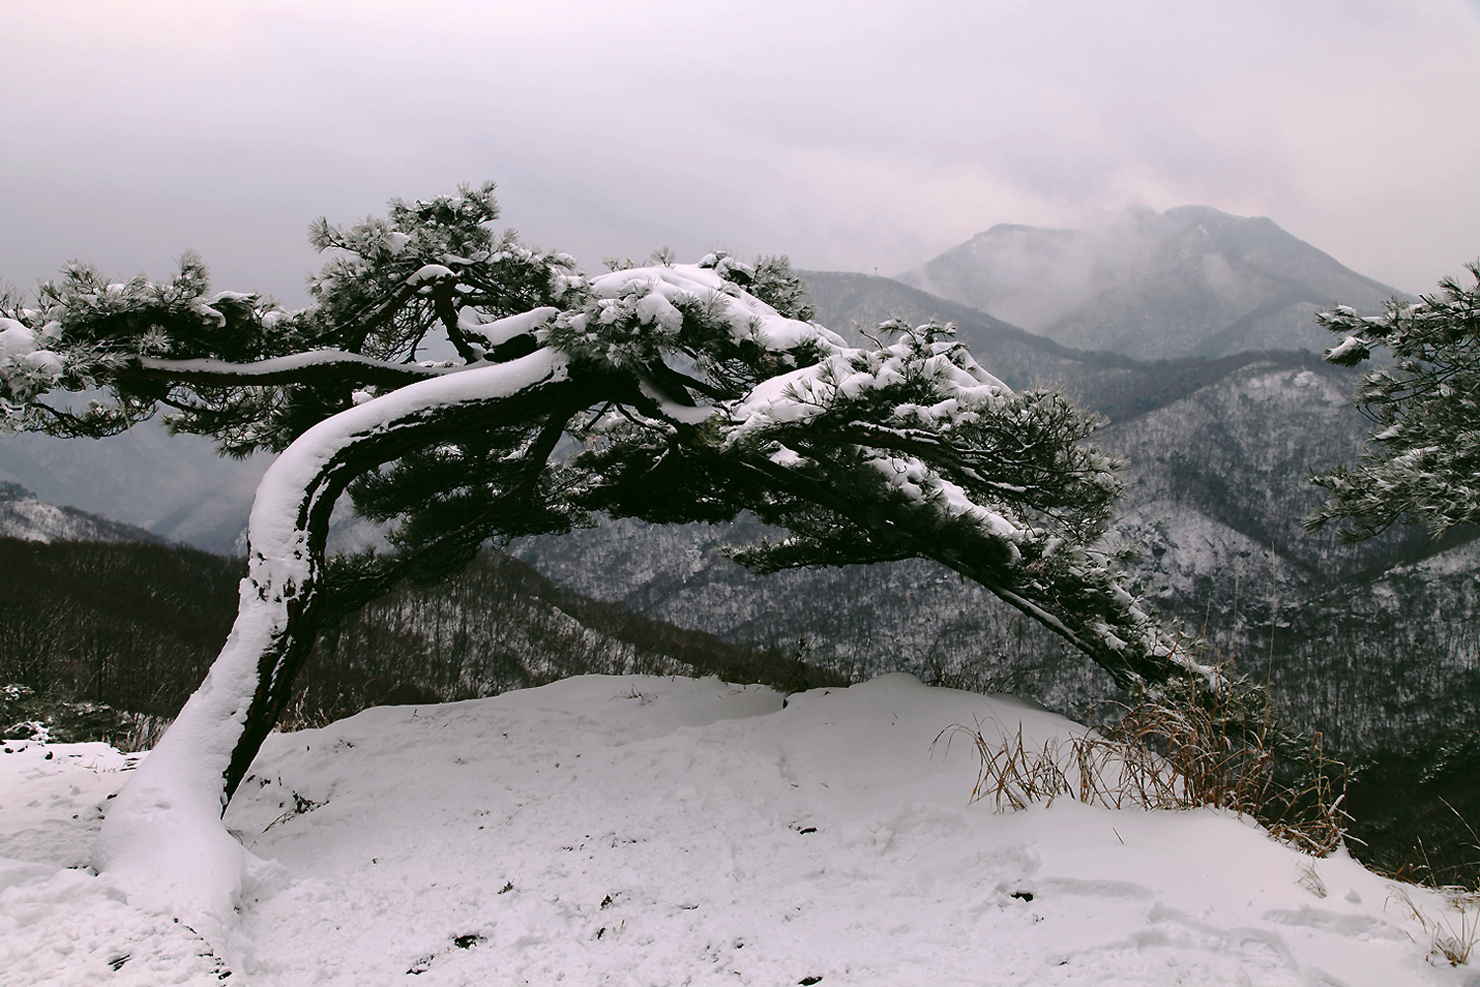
<point x="1003" y="229"/>
<point x="1191" y="281"/>
<point x="1197" y="213"/>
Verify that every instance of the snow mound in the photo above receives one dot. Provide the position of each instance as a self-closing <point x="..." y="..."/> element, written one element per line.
<point x="58" y="924"/>
<point x="52" y="798"/>
<point x="641" y="830"/>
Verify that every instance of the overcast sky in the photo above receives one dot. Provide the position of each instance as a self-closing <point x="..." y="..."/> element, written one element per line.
<point x="849" y="135"/>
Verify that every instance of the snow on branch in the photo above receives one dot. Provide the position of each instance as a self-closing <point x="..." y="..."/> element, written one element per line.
<point x="307" y="366"/>
<point x="1422" y="462"/>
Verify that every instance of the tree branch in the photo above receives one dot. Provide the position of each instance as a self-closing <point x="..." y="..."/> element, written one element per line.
<point x="312" y="367"/>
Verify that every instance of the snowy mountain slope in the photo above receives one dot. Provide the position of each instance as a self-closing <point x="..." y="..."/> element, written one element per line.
<point x="1234" y="455"/>
<point x="860" y="620"/>
<point x="1112" y="384"/>
<point x="635" y="830"/>
<point x="1190" y="281"/>
<point x="173" y="485"/>
<point x="1215" y="483"/>
<point x="23" y="516"/>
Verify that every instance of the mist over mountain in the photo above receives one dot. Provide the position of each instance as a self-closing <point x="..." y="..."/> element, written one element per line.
<point x="1112" y="384"/>
<point x="1192" y="281"/>
<point x="25" y="517"/>
<point x="174" y="486"/>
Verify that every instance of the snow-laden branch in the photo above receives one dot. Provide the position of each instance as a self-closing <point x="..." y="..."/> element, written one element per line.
<point x="306" y="367"/>
<point x="1422" y="462"/>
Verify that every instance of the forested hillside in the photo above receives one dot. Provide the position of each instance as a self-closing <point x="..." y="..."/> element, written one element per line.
<point x="135" y="626"/>
<point x="23" y="516"/>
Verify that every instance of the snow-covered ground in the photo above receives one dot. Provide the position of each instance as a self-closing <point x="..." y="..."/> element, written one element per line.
<point x="651" y="831"/>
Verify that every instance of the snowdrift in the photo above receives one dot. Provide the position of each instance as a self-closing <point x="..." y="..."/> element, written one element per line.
<point x="640" y="830"/>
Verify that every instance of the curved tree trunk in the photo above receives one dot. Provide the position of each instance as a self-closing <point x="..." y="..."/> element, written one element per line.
<point x="163" y="839"/>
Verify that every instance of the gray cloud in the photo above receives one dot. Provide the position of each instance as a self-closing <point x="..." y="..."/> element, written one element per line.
<point x="849" y="135"/>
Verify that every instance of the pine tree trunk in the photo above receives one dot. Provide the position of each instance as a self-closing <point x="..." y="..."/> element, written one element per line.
<point x="163" y="839"/>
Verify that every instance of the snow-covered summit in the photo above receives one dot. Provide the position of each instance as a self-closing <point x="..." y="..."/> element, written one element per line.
<point x="1192" y="281"/>
<point x="641" y="830"/>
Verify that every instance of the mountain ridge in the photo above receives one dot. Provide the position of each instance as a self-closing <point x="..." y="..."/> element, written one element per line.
<point x="1190" y="281"/>
<point x="27" y="518"/>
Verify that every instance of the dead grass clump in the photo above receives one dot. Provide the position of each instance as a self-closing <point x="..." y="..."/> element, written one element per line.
<point x="1164" y="756"/>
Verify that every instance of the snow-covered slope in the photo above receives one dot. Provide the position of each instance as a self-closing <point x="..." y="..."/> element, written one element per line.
<point x="173" y="485"/>
<point x="23" y="516"/>
<point x="638" y="830"/>
<point x="1220" y="476"/>
<point x="1190" y="281"/>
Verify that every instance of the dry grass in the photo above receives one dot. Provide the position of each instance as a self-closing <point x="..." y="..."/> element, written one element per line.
<point x="1160" y="756"/>
<point x="142" y="734"/>
<point x="1451" y="937"/>
<point x="1311" y="881"/>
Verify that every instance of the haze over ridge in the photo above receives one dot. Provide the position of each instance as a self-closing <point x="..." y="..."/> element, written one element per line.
<point x="848" y="136"/>
<point x="1191" y="281"/>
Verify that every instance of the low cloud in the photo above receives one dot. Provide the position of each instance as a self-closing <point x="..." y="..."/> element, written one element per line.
<point x="848" y="135"/>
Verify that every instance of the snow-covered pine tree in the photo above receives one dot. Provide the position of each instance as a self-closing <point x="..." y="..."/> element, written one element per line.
<point x="696" y="391"/>
<point x="1422" y="463"/>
